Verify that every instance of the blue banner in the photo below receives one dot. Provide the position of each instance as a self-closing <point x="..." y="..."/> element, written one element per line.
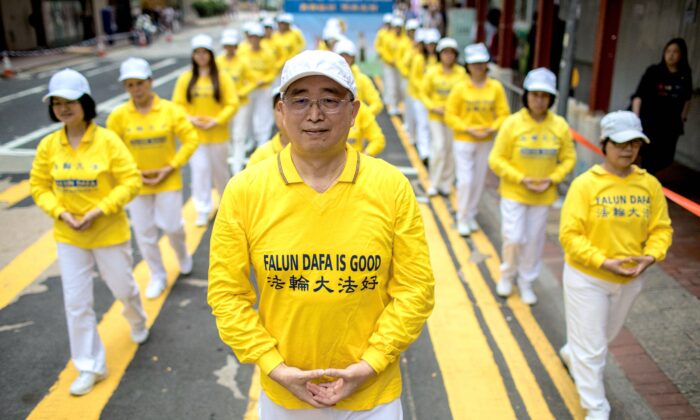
<point x="338" y="6"/>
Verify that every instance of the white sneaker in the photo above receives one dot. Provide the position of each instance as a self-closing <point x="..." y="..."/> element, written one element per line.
<point x="186" y="265"/>
<point x="463" y="229"/>
<point x="565" y="355"/>
<point x="432" y="192"/>
<point x="202" y="219"/>
<point x="473" y="225"/>
<point x="155" y="288"/>
<point x="527" y="295"/>
<point x="85" y="382"/>
<point x="139" y="337"/>
<point x="504" y="287"/>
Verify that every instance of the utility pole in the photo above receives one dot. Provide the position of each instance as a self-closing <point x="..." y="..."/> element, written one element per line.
<point x="567" y="62"/>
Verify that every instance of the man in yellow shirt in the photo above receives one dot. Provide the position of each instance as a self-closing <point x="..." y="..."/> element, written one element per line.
<point x="380" y="38"/>
<point x="288" y="36"/>
<point x="366" y="92"/>
<point x="336" y="242"/>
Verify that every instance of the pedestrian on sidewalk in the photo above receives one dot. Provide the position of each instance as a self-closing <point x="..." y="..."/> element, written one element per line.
<point x="209" y="99"/>
<point x="533" y="152"/>
<point x="437" y="85"/>
<point x="82" y="177"/>
<point x="148" y="126"/>
<point x="614" y="225"/>
<point x="337" y="244"/>
<point x="475" y="110"/>
<point x="420" y="63"/>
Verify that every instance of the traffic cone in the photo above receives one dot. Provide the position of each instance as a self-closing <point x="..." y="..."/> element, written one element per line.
<point x="101" y="50"/>
<point x="143" y="42"/>
<point x="7" y="71"/>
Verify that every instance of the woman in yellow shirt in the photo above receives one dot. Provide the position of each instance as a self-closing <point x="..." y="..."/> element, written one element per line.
<point x="209" y="99"/>
<point x="614" y="225"/>
<point x="82" y="177"/>
<point x="533" y="152"/>
<point x="437" y="85"/>
<point x="475" y="110"/>
<point x="148" y="125"/>
<point x="425" y="57"/>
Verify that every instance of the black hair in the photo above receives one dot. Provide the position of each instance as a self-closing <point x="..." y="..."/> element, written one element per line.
<point x="604" y="143"/>
<point x="213" y="74"/>
<point x="276" y="99"/>
<point x="448" y="48"/>
<point x="86" y="102"/>
<point x="683" y="65"/>
<point x="551" y="99"/>
<point x="466" y="68"/>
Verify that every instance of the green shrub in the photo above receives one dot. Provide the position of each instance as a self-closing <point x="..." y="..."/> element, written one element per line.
<point x="207" y="8"/>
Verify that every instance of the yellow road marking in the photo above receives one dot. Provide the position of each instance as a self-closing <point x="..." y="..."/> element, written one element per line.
<point x="524" y="380"/>
<point x="15" y="193"/>
<point x="251" y="412"/>
<point x="473" y="383"/>
<point x="115" y="333"/>
<point x="26" y="267"/>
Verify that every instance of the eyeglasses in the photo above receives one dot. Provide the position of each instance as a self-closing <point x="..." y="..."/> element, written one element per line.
<point x="329" y="105"/>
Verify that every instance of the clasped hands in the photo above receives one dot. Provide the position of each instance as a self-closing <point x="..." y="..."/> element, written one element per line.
<point x="203" y="122"/>
<point x="325" y="394"/>
<point x="629" y="266"/>
<point x="480" y="133"/>
<point x="155" y="176"/>
<point x="81" y="224"/>
<point x="537" y="185"/>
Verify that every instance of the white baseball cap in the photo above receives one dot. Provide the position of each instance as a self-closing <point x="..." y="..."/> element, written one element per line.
<point x="541" y="80"/>
<point x="447" y="43"/>
<point x="285" y="18"/>
<point x="396" y="21"/>
<point x="387" y="18"/>
<point x="268" y="22"/>
<point x="135" y="68"/>
<point x="432" y="36"/>
<point x="420" y="35"/>
<point x="202" y="41"/>
<point x="412" y="24"/>
<point x="247" y="25"/>
<point x="230" y="37"/>
<point x="476" y="53"/>
<point x="621" y="127"/>
<point x="331" y="32"/>
<point x="256" y="29"/>
<point x="318" y="63"/>
<point x="68" y="84"/>
<point x="345" y="46"/>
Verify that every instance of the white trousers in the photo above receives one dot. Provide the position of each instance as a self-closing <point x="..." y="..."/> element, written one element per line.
<point x="208" y="162"/>
<point x="471" y="165"/>
<point x="240" y="132"/>
<point x="271" y="411"/>
<point x="442" y="164"/>
<point x="420" y="112"/>
<point x="158" y="211"/>
<point x="262" y="114"/>
<point x="595" y="313"/>
<point x="409" y="119"/>
<point x="523" y="230"/>
<point x="77" y="270"/>
<point x="391" y="87"/>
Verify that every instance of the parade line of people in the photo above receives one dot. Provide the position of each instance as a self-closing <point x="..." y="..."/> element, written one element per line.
<point x="333" y="235"/>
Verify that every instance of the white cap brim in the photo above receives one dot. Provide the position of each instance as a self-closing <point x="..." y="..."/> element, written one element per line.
<point x="628" y="135"/>
<point x="283" y="88"/>
<point x="541" y="87"/>
<point x="478" y="58"/>
<point x="134" y="75"/>
<point x="69" y="94"/>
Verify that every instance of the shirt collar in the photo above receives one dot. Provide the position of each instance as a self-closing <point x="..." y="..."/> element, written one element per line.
<point x="154" y="107"/>
<point x="599" y="170"/>
<point x="87" y="137"/>
<point x="290" y="175"/>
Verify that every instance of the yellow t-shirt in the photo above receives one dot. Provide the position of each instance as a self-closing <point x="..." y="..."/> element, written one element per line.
<point x="343" y="275"/>
<point x="263" y="65"/>
<point x="437" y="85"/>
<point x="150" y="139"/>
<point x="267" y="150"/>
<point x="276" y="49"/>
<point x="242" y="76"/>
<point x="365" y="135"/>
<point x="292" y="42"/>
<point x="366" y="92"/>
<point x="204" y="104"/>
<point x="605" y="216"/>
<point x="469" y="106"/>
<point x="404" y="53"/>
<point x="416" y="73"/>
<point x="526" y="148"/>
<point x="99" y="173"/>
<point x="380" y="42"/>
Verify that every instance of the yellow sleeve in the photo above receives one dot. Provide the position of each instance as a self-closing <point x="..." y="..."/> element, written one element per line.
<point x="572" y="229"/>
<point x="401" y="64"/>
<point x="125" y="173"/>
<point x="180" y="90"/>
<point x="247" y="81"/>
<point x="417" y="69"/>
<point x="567" y="158"/>
<point x="229" y="100"/>
<point x="410" y="288"/>
<point x="301" y="42"/>
<point x="41" y="181"/>
<point x="426" y="91"/>
<point x="189" y="139"/>
<point x="379" y="45"/>
<point x="370" y="94"/>
<point x="659" y="232"/>
<point x="502" y="107"/>
<point x="114" y="122"/>
<point x="231" y="294"/>
<point x="452" y="117"/>
<point x="271" y="71"/>
<point x="374" y="136"/>
<point x="499" y="158"/>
